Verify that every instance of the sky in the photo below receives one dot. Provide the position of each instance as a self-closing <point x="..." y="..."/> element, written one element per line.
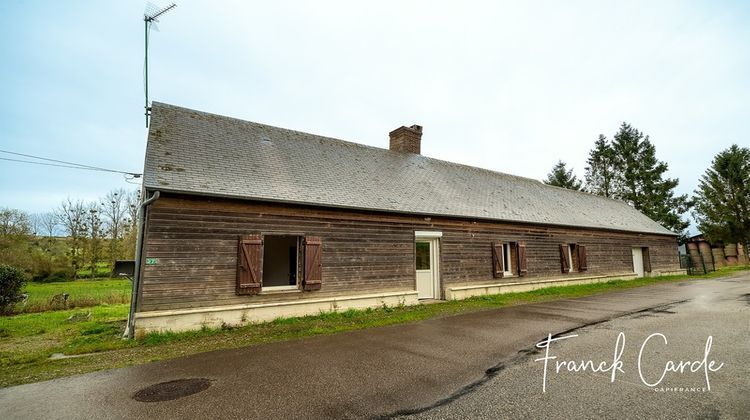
<point x="508" y="86"/>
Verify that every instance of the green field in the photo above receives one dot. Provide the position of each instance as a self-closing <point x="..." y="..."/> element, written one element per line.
<point x="81" y="293"/>
<point x="28" y="340"/>
<point x="102" y="269"/>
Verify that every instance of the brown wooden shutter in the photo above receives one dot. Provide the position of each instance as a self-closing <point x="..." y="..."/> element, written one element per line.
<point x="582" y="262"/>
<point x="521" y="255"/>
<point x="249" y="264"/>
<point x="313" y="267"/>
<point x="646" y="260"/>
<point x="497" y="260"/>
<point x="564" y="263"/>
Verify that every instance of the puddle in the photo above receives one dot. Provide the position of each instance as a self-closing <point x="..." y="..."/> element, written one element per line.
<point x="172" y="390"/>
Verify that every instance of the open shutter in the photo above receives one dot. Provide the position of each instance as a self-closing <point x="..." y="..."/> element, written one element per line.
<point x="497" y="260"/>
<point x="582" y="263"/>
<point x="564" y="263"/>
<point x="249" y="264"/>
<point x="521" y="255"/>
<point x="646" y="260"/>
<point x="313" y="267"/>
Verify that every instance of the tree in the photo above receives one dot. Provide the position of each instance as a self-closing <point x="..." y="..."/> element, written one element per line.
<point x="114" y="208"/>
<point x="640" y="180"/>
<point x="627" y="169"/>
<point x="600" y="171"/>
<point x="561" y="177"/>
<point x="12" y="281"/>
<point x="15" y="236"/>
<point x="72" y="216"/>
<point x="133" y="201"/>
<point x="93" y="223"/>
<point x="49" y="223"/>
<point x="722" y="200"/>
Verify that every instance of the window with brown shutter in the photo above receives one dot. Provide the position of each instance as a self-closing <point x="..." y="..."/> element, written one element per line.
<point x="582" y="262"/>
<point x="497" y="260"/>
<point x="646" y="260"/>
<point x="521" y="255"/>
<point x="313" y="276"/>
<point x="564" y="261"/>
<point x="249" y="264"/>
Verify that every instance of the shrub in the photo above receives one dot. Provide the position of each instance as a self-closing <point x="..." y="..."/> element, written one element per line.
<point x="64" y="274"/>
<point x="12" y="281"/>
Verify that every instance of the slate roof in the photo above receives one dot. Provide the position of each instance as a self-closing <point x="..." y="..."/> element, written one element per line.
<point x="200" y="153"/>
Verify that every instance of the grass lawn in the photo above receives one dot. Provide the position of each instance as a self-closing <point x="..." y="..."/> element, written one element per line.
<point x="101" y="269"/>
<point x="82" y="293"/>
<point x="28" y="340"/>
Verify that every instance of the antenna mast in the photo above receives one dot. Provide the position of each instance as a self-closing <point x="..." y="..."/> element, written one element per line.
<point x="149" y="18"/>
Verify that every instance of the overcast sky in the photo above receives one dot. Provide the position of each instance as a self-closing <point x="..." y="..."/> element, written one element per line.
<point x="510" y="87"/>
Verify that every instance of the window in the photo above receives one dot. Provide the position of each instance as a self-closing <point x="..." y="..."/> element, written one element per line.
<point x="573" y="258"/>
<point x="506" y="259"/>
<point x="423" y="256"/>
<point x="502" y="257"/>
<point x="280" y="261"/>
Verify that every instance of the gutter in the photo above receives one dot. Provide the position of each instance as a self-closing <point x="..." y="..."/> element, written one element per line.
<point x="130" y="329"/>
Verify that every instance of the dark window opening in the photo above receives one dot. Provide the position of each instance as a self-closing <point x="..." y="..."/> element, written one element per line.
<point x="423" y="255"/>
<point x="573" y="257"/>
<point x="280" y="260"/>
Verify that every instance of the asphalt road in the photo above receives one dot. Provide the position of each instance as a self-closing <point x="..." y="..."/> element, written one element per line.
<point x="720" y="310"/>
<point x="472" y="365"/>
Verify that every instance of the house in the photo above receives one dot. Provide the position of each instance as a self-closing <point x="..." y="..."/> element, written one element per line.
<point x="246" y="222"/>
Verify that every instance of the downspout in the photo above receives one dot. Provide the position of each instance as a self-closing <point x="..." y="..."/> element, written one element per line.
<point x="130" y="330"/>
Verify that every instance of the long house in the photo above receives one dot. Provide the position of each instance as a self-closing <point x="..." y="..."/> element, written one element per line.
<point x="245" y="222"/>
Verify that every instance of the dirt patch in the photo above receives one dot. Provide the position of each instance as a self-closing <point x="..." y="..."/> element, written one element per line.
<point x="172" y="390"/>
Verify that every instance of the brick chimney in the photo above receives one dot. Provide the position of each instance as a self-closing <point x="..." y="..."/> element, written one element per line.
<point x="407" y="139"/>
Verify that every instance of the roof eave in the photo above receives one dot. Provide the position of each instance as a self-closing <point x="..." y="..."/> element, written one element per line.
<point x="342" y="207"/>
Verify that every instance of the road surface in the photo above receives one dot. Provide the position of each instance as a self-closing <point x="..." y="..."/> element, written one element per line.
<point x="472" y="365"/>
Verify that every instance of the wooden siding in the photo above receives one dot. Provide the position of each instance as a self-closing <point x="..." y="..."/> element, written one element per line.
<point x="195" y="242"/>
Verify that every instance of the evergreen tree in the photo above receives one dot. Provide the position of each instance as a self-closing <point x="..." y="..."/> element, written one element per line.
<point x="722" y="200"/>
<point x="600" y="171"/>
<point x="561" y="177"/>
<point x="627" y="169"/>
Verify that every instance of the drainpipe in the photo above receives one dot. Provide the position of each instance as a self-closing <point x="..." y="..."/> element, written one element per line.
<point x="130" y="329"/>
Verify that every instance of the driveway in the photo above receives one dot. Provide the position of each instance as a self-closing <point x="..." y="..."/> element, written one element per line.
<point x="477" y="364"/>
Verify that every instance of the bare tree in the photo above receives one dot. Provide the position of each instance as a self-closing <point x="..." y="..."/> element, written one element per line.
<point x="49" y="222"/>
<point x="93" y="223"/>
<point x="35" y="223"/>
<point x="114" y="209"/>
<point x="133" y="201"/>
<point x="72" y="216"/>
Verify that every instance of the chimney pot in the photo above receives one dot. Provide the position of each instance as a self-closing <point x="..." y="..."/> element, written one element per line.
<point x="407" y="139"/>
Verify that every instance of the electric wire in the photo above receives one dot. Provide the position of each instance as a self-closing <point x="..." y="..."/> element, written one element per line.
<point x="63" y="164"/>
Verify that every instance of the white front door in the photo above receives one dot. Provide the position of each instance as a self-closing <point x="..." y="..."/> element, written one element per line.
<point x="638" y="261"/>
<point x="427" y="270"/>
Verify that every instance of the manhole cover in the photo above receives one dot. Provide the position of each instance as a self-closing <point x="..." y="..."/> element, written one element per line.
<point x="172" y="390"/>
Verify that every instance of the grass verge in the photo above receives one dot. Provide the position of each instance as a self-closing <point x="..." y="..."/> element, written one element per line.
<point x="81" y="293"/>
<point x="27" y="340"/>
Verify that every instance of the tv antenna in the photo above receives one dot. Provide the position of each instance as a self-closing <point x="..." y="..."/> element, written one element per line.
<point x="150" y="19"/>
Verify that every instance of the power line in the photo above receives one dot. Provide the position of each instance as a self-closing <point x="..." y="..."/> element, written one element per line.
<point x="63" y="164"/>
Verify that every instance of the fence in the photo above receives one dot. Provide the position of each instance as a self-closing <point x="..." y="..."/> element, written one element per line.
<point x="697" y="263"/>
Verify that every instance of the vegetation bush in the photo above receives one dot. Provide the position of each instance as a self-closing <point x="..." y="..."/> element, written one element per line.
<point x="55" y="276"/>
<point x="12" y="281"/>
